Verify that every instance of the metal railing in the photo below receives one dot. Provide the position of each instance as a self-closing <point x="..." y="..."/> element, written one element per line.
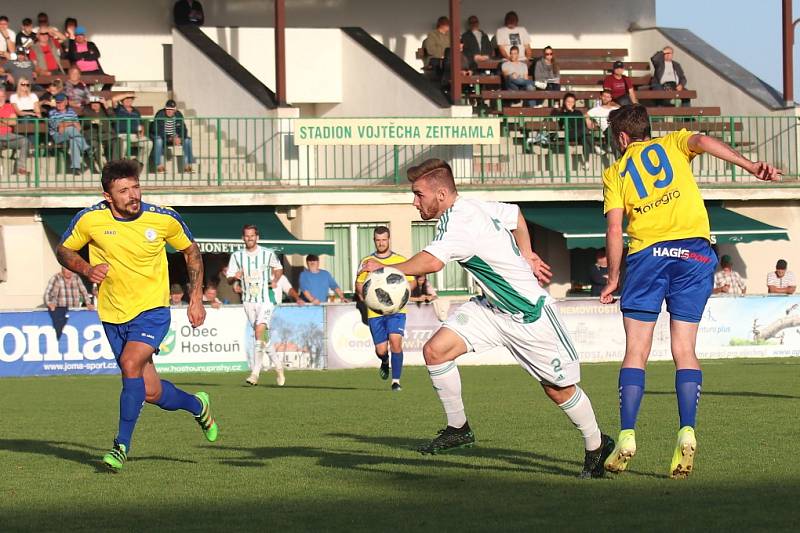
<point x="261" y="153"/>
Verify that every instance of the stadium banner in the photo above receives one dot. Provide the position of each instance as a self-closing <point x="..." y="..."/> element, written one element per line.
<point x="28" y="344"/>
<point x="396" y="131"/>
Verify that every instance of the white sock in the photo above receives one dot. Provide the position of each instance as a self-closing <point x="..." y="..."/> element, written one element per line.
<point x="258" y="359"/>
<point x="579" y="410"/>
<point x="447" y="383"/>
<point x="395" y="381"/>
<point x="273" y="357"/>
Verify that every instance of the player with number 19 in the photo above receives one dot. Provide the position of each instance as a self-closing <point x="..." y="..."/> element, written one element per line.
<point x="669" y="258"/>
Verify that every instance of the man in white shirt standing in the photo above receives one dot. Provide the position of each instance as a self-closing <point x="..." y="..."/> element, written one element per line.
<point x="491" y="241"/>
<point x="781" y="281"/>
<point x="258" y="269"/>
<point x="512" y="35"/>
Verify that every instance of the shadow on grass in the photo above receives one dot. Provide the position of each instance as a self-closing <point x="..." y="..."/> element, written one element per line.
<point x="736" y="394"/>
<point x="72" y="451"/>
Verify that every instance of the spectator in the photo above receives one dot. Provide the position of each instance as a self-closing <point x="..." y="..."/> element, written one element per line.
<point x="188" y="12"/>
<point x="210" y="296"/>
<point x="225" y="287"/>
<point x="9" y="139"/>
<point x="19" y="66"/>
<point x="546" y="72"/>
<point x="78" y="93"/>
<point x="465" y="71"/>
<point x="55" y="36"/>
<point x="781" y="281"/>
<point x="65" y="290"/>
<point x="46" y="57"/>
<point x="48" y="97"/>
<point x="287" y="291"/>
<point x="176" y="295"/>
<point x="621" y="86"/>
<point x="435" y="44"/>
<point x="98" y="129"/>
<point x="423" y="292"/>
<point x="70" y="24"/>
<point x="667" y="75"/>
<point x="477" y="46"/>
<point x="8" y="39"/>
<point x="575" y="123"/>
<point x="513" y="35"/>
<point x="728" y="281"/>
<point x="25" y="102"/>
<point x="515" y="74"/>
<point x="26" y="36"/>
<point x="129" y="128"/>
<point x="84" y="54"/>
<point x="65" y="128"/>
<point x="599" y="114"/>
<point x="169" y="129"/>
<point x="598" y="273"/>
<point x="315" y="282"/>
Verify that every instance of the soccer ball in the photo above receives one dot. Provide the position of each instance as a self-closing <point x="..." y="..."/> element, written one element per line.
<point x="386" y="291"/>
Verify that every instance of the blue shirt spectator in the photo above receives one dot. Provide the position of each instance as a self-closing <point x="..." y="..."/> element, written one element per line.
<point x="60" y="114"/>
<point x="129" y="119"/>
<point x="315" y="282"/>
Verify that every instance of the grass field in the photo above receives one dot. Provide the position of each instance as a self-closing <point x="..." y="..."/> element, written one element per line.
<point x="334" y="451"/>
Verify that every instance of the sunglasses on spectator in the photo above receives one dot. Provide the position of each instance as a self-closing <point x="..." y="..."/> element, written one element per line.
<point x="549" y="54"/>
<point x="25" y="84"/>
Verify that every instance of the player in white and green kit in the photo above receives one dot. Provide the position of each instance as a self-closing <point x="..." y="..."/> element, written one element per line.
<point x="258" y="270"/>
<point x="491" y="241"/>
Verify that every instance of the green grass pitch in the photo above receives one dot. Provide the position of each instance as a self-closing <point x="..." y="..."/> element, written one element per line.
<point x="333" y="451"/>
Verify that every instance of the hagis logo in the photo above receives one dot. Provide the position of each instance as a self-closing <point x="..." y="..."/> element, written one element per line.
<point x="665" y="199"/>
<point x="168" y="344"/>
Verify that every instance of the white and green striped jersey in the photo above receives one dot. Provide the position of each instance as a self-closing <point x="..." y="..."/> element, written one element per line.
<point x="478" y="235"/>
<point x="257" y="268"/>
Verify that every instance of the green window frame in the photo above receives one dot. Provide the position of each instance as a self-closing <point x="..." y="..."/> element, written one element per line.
<point x="452" y="278"/>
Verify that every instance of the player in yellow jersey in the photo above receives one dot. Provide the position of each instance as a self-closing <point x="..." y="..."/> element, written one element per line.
<point x="126" y="239"/>
<point x="387" y="330"/>
<point x="669" y="258"/>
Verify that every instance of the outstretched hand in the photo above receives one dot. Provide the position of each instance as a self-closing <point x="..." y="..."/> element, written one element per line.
<point x="540" y="269"/>
<point x="370" y="265"/>
<point x="766" y="172"/>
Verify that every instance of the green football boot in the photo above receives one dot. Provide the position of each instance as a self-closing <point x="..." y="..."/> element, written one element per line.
<point x="205" y="419"/>
<point x="115" y="459"/>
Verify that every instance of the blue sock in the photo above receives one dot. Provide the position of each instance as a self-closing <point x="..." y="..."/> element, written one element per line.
<point x="173" y="398"/>
<point x="397" y="364"/>
<point x="688" y="383"/>
<point x="131" y="400"/>
<point x="631" y="390"/>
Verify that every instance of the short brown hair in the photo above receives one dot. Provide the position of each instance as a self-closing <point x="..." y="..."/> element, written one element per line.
<point x="381" y="230"/>
<point x="250" y="226"/>
<point x="442" y="21"/>
<point x="631" y="119"/>
<point x="119" y="169"/>
<point x="436" y="169"/>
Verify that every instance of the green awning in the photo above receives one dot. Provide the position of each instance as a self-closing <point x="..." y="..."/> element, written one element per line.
<point x="219" y="229"/>
<point x="583" y="225"/>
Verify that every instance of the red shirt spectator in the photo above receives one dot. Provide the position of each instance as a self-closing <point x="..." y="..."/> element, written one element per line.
<point x="45" y="56"/>
<point x="621" y="86"/>
<point x="6" y="111"/>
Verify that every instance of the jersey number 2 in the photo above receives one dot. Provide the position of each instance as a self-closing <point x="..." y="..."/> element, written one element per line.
<point x="654" y="169"/>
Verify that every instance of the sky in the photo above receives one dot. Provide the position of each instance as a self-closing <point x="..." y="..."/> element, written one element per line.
<point x="747" y="31"/>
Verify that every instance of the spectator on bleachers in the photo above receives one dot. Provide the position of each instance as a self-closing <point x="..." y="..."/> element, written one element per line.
<point x="477" y="46"/>
<point x="667" y="75"/>
<point x="169" y="129"/>
<point x="130" y="130"/>
<point x="511" y="34"/>
<point x="188" y="12"/>
<point x="8" y="38"/>
<point x="316" y="282"/>
<point x="546" y="72"/>
<point x="25" y="102"/>
<point x="465" y="67"/>
<point x="77" y="92"/>
<point x="621" y="86"/>
<point x="64" y="128"/>
<point x="48" y="97"/>
<point x="26" y="37"/>
<point x="781" y="280"/>
<point x="9" y="139"/>
<point x="98" y="129"/>
<point x="599" y="114"/>
<point x="84" y="54"/>
<point x="70" y="24"/>
<point x="46" y="57"/>
<point x="575" y="124"/>
<point x="55" y="36"/>
<point x="515" y="74"/>
<point x="20" y="66"/>
<point x="437" y="41"/>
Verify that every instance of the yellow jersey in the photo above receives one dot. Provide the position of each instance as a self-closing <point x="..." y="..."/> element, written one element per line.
<point x="138" y="277"/>
<point x="654" y="185"/>
<point x="392" y="259"/>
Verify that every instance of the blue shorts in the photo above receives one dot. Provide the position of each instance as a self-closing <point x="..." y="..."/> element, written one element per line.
<point x="149" y="327"/>
<point x="383" y="326"/>
<point x="680" y="272"/>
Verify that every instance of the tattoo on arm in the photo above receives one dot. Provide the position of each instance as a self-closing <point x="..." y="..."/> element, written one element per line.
<point x="71" y="260"/>
<point x="194" y="268"/>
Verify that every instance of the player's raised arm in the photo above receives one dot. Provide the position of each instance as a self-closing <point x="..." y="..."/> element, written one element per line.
<point x="194" y="269"/>
<point x="614" y="246"/>
<point x="762" y="170"/>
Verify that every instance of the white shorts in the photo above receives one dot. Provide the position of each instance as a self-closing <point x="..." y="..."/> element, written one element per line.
<point x="543" y="348"/>
<point x="258" y="313"/>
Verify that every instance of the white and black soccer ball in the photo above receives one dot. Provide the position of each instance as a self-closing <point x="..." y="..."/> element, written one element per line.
<point x="386" y="291"/>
